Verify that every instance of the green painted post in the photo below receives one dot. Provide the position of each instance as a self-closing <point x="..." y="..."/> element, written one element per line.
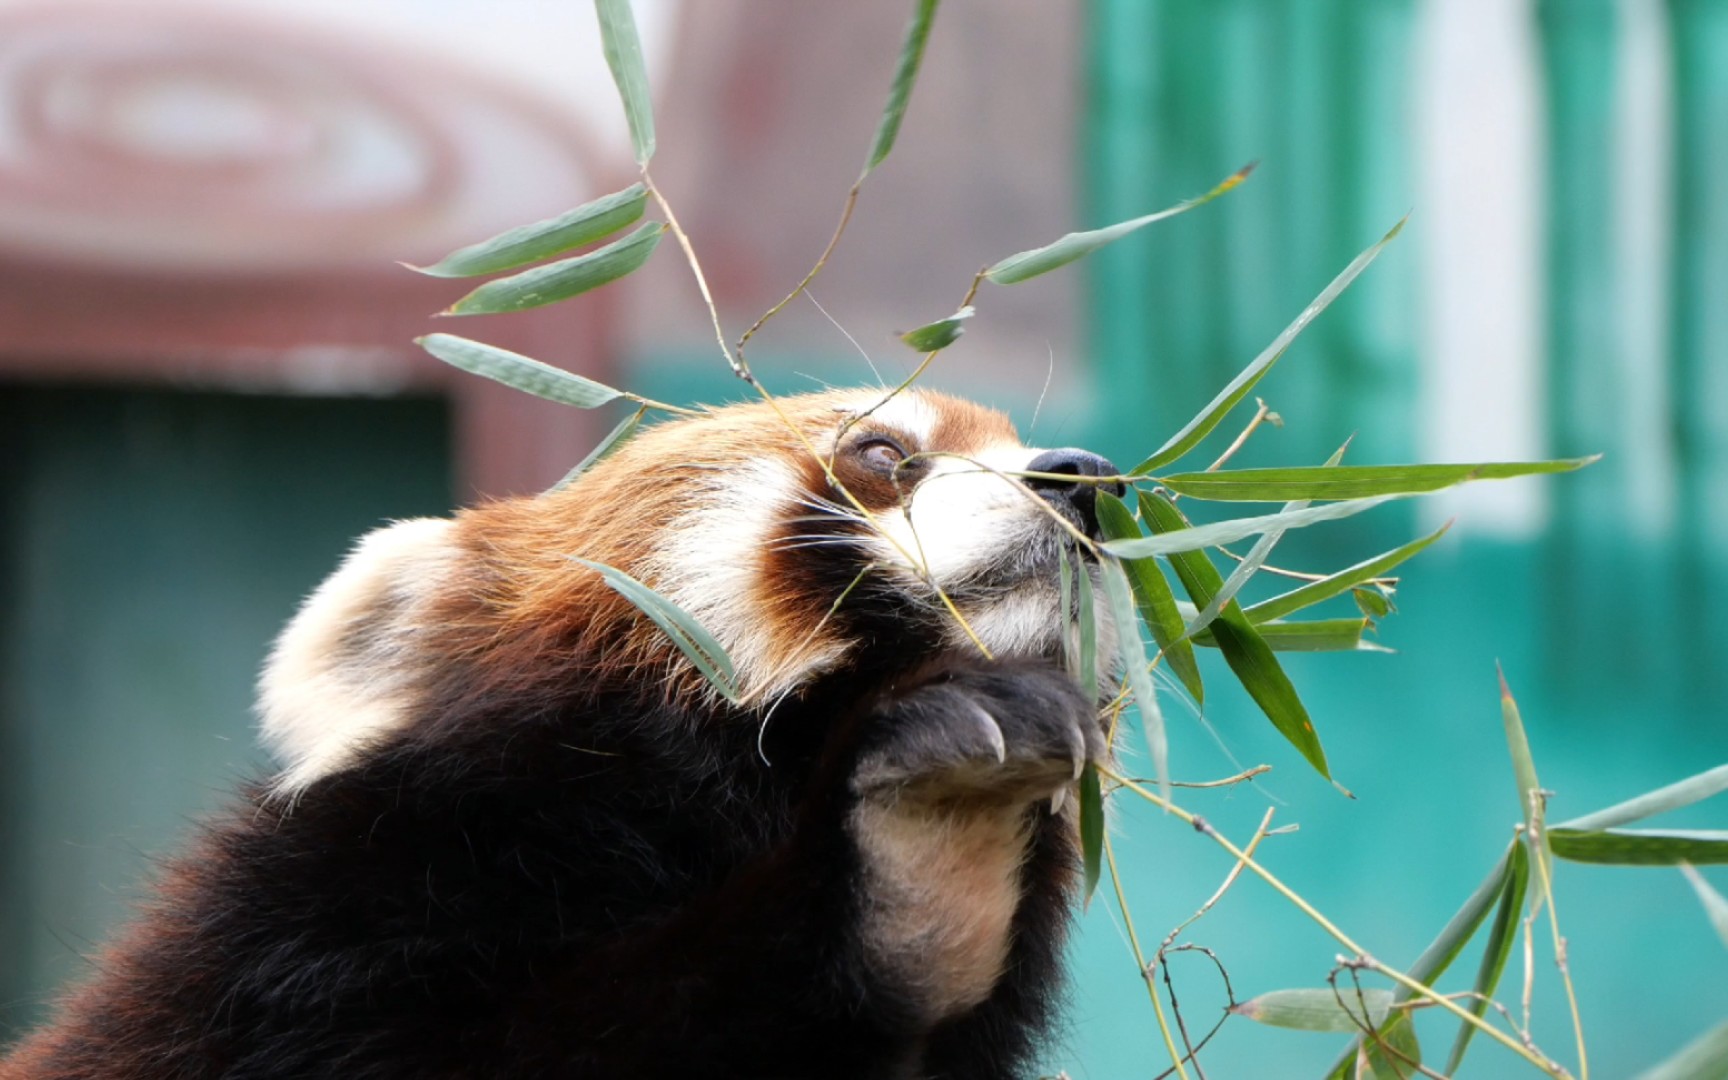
<point x="1587" y="547"/>
<point x="1302" y="171"/>
<point x="1182" y="92"/>
<point x="1371" y="374"/>
<point x="1122" y="148"/>
<point x="1698" y="371"/>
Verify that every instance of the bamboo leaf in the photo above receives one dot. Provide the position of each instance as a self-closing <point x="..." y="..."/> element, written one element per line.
<point x="900" y="90"/>
<point x="562" y="279"/>
<point x="1196" y="537"/>
<point x="1446" y="946"/>
<point x="611" y="442"/>
<point x="1152" y="593"/>
<point x="940" y="334"/>
<point x="1393" y="1052"/>
<point x="1371" y="602"/>
<point x="1135" y="666"/>
<point x="1091" y="832"/>
<point x="1333" y="584"/>
<point x="1024" y="265"/>
<point x="691" y="638"/>
<point x="1458" y="931"/>
<point x="1252" y="562"/>
<point x="1244" y="649"/>
<point x="1673" y="797"/>
<point x="1523" y="765"/>
<point x="1495" y="950"/>
<point x="1351" y="481"/>
<point x="543" y="239"/>
<point x="623" y="49"/>
<point x="1091" y="793"/>
<point x="1641" y="847"/>
<point x="1715" y="904"/>
<point x="1065" y="587"/>
<point x="518" y="372"/>
<point x="1317" y="1009"/>
<point x="1310" y="635"/>
<point x="1088" y="634"/>
<point x="1228" y="398"/>
<point x="1704" y="1058"/>
<point x="1247" y="568"/>
<point x="1530" y="794"/>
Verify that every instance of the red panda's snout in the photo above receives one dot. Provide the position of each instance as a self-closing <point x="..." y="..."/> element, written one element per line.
<point x="1046" y="473"/>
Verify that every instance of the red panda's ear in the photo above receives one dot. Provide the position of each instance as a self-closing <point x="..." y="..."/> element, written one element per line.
<point x="352" y="663"/>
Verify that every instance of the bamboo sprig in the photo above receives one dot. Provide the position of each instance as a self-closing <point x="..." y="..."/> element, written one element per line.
<point x="1140" y="959"/>
<point x="1367" y="960"/>
<point x="1539" y="822"/>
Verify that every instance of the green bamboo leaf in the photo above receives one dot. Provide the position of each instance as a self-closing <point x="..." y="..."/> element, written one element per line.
<point x="1498" y="946"/>
<point x="623" y="49"/>
<point x="1091" y="832"/>
<point x="1228" y="398"/>
<point x="543" y="239"/>
<point x="1673" y="797"/>
<point x="562" y="279"/>
<point x="1393" y="1050"/>
<point x="1152" y="593"/>
<point x="1641" y="847"/>
<point x="1077" y="245"/>
<point x="940" y="334"/>
<point x="1132" y="650"/>
<point x="1318" y="1009"/>
<point x="1244" y="649"/>
<point x="691" y="638"/>
<point x="900" y="91"/>
<point x="1351" y="481"/>
<point x="1445" y="947"/>
<point x="518" y="372"/>
<point x="614" y="439"/>
<point x="1091" y="793"/>
<point x="1705" y="1058"/>
<point x="1088" y="634"/>
<point x="1530" y="796"/>
<point x="1333" y="584"/>
<point x="1458" y="931"/>
<point x="1310" y="635"/>
<point x="1253" y="561"/>
<point x="1196" y="537"/>
<point x="1715" y="904"/>
<point x="1370" y="602"/>
<point x="1246" y="569"/>
<point x="1070" y="629"/>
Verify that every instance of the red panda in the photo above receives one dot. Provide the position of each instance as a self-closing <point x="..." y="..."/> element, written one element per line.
<point x="517" y="834"/>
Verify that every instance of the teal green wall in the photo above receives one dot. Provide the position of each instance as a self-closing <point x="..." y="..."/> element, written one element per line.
<point x="151" y="544"/>
<point x="1611" y="637"/>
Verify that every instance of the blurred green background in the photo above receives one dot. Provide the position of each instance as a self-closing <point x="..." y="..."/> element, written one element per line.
<point x="206" y="392"/>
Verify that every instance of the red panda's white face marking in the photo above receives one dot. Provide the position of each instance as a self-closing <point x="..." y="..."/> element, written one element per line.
<point x="727" y="514"/>
<point x="964" y="525"/>
<point x="709" y="561"/>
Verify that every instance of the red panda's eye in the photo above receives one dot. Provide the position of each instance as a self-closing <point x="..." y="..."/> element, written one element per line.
<point x="881" y="454"/>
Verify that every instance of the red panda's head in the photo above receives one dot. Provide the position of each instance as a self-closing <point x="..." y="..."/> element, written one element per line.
<point x="812" y="533"/>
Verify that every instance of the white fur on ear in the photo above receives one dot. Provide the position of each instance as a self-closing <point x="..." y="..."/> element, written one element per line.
<point x="346" y="668"/>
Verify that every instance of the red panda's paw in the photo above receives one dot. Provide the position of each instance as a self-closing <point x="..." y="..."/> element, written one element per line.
<point x="996" y="731"/>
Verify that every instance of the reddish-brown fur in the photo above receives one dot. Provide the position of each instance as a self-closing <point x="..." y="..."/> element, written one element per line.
<point x="546" y="678"/>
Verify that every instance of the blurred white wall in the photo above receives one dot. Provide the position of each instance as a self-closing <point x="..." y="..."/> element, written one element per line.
<point x="1479" y="221"/>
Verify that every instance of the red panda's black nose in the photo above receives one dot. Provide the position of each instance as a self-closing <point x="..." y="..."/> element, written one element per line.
<point x="1072" y="462"/>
